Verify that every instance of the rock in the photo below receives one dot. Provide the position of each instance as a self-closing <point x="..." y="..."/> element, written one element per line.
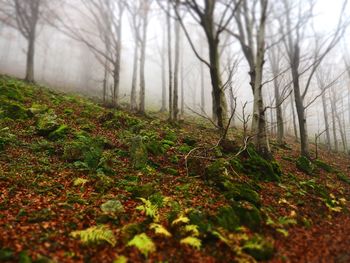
<point x="155" y="147"/>
<point x="143" y="191"/>
<point x="74" y="151"/>
<point x="59" y="133"/>
<point x="46" y="123"/>
<point x="112" y="207"/>
<point x="138" y="152"/>
<point x="305" y="165"/>
<point x="324" y="166"/>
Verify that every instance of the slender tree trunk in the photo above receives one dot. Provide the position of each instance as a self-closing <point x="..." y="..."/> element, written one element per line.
<point x="182" y="84"/>
<point x="170" y="63"/>
<point x="176" y="69"/>
<point x="30" y="58"/>
<point x="163" y="65"/>
<point x="143" y="57"/>
<point x="219" y="99"/>
<point x="294" y="118"/>
<point x="133" y="101"/>
<point x="279" y="114"/>
<point x="202" y="85"/>
<point x="336" y="149"/>
<point x="326" y="122"/>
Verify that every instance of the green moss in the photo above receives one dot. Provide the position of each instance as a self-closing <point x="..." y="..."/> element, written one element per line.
<point x="201" y="220"/>
<point x="259" y="248"/>
<point x="155" y="147"/>
<point x="324" y="166"/>
<point x="184" y="149"/>
<point x="138" y="153"/>
<point x="59" y="133"/>
<point x="227" y="218"/>
<point x="248" y="214"/>
<point x="305" y="165"/>
<point x="260" y="169"/>
<point x="240" y="192"/>
<point x="170" y="170"/>
<point x="6" y="138"/>
<point x="216" y="173"/>
<point x="190" y="141"/>
<point x="343" y="178"/>
<point x="38" y="109"/>
<point x="236" y="164"/>
<point x="141" y="190"/>
<point x="170" y="135"/>
<point x="11" y="109"/>
<point x="46" y="123"/>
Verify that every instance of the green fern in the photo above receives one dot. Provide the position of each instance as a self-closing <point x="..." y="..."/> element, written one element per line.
<point x="95" y="235"/>
<point x="160" y="230"/>
<point x="149" y="209"/>
<point x="80" y="181"/>
<point x="121" y="259"/>
<point x="143" y="243"/>
<point x="181" y="219"/>
<point x="193" y="229"/>
<point x="192" y="241"/>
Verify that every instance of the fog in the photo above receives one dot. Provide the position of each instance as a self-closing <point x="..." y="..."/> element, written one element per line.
<point x="67" y="64"/>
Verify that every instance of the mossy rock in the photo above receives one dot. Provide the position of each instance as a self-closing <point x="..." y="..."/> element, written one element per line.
<point x="241" y="192"/>
<point x="10" y="91"/>
<point x="37" y="109"/>
<point x="217" y="173"/>
<point x="130" y="230"/>
<point x="13" y="110"/>
<point x="305" y="165"/>
<point x="227" y="218"/>
<point x="189" y="141"/>
<point x="259" y="248"/>
<point x="343" y="177"/>
<point x="260" y="169"/>
<point x="248" y="214"/>
<point x="60" y="133"/>
<point x="143" y="191"/>
<point x="47" y="123"/>
<point x="324" y="166"/>
<point x="138" y="153"/>
<point x="236" y="164"/>
<point x="74" y="151"/>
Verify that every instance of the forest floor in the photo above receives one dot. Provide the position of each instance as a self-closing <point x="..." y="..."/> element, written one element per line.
<point x="81" y="183"/>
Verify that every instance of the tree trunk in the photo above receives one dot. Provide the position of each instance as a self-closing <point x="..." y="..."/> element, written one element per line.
<point x="143" y="58"/>
<point x="170" y="63"/>
<point x="219" y="99"/>
<point x="279" y="114"/>
<point x="133" y="102"/>
<point x="163" y="65"/>
<point x="176" y="69"/>
<point x="30" y="58"/>
<point x="334" y="126"/>
<point x="202" y="86"/>
<point x="326" y="122"/>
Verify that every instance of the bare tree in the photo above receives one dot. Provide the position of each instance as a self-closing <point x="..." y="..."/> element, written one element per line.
<point x="294" y="31"/>
<point x="213" y="25"/>
<point x="25" y="16"/>
<point x="106" y="17"/>
<point x="251" y="34"/>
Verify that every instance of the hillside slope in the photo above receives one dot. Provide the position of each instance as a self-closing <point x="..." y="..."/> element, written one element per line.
<point x="80" y="183"/>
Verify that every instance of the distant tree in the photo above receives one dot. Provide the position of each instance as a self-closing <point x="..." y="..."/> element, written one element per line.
<point x="24" y="15"/>
<point x="296" y="21"/>
<point x="106" y="18"/>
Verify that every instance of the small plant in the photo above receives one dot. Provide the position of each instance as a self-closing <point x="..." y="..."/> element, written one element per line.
<point x="80" y="182"/>
<point x="149" y="209"/>
<point x="95" y="235"/>
<point x="143" y="243"/>
<point x="192" y="241"/>
<point x="160" y="230"/>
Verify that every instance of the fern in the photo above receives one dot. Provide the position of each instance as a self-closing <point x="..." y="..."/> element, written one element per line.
<point x="143" y="243"/>
<point x="192" y="241"/>
<point x="193" y="229"/>
<point x="149" y="209"/>
<point x="95" y="234"/>
<point x="80" y="181"/>
<point x="181" y="219"/>
<point x="159" y="229"/>
<point x="121" y="259"/>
